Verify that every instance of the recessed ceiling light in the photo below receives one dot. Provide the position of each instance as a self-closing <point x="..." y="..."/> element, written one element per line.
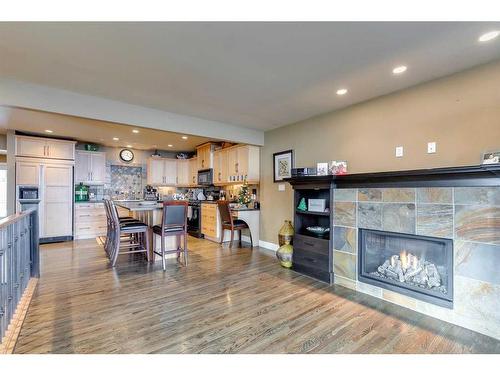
<point x="170" y="145"/>
<point x="116" y="139"/>
<point x="341" y="91"/>
<point x="48" y="131"/>
<point x="489" y="36"/>
<point x="399" y="69"/>
<point x="129" y="146"/>
<point x="184" y="137"/>
<point x="135" y="131"/>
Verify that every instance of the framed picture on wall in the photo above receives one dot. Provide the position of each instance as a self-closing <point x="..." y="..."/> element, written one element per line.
<point x="282" y="165"/>
<point x="491" y="157"/>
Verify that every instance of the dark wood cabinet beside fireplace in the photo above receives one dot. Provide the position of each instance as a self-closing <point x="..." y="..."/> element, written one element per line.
<point x="313" y="254"/>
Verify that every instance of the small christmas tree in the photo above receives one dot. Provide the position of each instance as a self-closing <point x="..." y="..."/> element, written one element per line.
<point x="302" y="205"/>
<point x="244" y="196"/>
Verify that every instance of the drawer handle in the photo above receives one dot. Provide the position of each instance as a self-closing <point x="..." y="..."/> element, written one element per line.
<point x="84" y="227"/>
<point x="308" y="244"/>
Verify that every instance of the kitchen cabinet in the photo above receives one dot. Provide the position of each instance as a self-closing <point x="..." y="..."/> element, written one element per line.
<point x="90" y="220"/>
<point x="46" y="148"/>
<point x="220" y="167"/>
<point x="193" y="172"/>
<point x="57" y="200"/>
<point x="183" y="173"/>
<point x="27" y="173"/>
<point x="90" y="167"/>
<point x="162" y="171"/>
<point x="243" y="162"/>
<point x="210" y="222"/>
<point x="204" y="154"/>
<point x="155" y="171"/>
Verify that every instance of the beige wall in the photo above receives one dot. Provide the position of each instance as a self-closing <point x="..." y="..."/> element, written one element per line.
<point x="461" y="113"/>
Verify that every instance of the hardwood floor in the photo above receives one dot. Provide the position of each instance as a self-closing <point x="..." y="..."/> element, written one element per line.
<point x="225" y="301"/>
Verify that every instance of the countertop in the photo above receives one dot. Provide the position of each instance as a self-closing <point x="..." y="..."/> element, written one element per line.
<point x="151" y="205"/>
<point x="139" y="205"/>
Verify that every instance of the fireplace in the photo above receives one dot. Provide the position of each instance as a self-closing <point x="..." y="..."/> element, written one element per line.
<point x="417" y="266"/>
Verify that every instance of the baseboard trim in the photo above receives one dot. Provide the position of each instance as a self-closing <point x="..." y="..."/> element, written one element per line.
<point x="268" y="245"/>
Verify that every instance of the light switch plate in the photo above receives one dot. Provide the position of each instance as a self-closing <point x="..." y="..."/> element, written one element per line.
<point x="399" y="151"/>
<point x="281" y="187"/>
<point x="431" y="147"/>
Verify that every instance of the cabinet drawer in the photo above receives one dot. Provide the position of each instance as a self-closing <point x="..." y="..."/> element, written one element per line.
<point x="311" y="259"/>
<point x="312" y="244"/>
<point x="90" y="216"/>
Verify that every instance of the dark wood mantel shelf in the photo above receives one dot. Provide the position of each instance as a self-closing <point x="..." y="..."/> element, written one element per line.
<point x="479" y="175"/>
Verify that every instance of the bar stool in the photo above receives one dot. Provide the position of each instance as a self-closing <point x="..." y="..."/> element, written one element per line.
<point x="229" y="223"/>
<point x="173" y="223"/>
<point x="136" y="236"/>
<point x="109" y="223"/>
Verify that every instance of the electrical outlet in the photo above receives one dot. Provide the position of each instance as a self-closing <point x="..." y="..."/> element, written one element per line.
<point x="399" y="151"/>
<point x="431" y="147"/>
<point x="281" y="187"/>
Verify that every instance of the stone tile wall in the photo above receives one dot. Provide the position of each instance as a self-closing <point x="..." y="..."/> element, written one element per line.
<point x="470" y="216"/>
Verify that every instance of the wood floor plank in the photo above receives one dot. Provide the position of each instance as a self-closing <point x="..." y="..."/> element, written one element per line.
<point x="226" y="301"/>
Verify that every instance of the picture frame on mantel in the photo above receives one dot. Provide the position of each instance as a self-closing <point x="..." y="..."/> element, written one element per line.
<point x="283" y="162"/>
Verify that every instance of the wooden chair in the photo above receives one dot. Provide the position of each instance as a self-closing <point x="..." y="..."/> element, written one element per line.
<point x="173" y="223"/>
<point x="230" y="223"/>
<point x="131" y="235"/>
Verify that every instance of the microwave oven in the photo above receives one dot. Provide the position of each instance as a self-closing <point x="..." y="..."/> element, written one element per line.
<point x="28" y="192"/>
<point x="206" y="177"/>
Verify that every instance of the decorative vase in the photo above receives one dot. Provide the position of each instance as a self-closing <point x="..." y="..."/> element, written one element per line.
<point x="285" y="255"/>
<point x="286" y="233"/>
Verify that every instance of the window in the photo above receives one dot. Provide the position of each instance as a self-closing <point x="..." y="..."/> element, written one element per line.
<point x="3" y="191"/>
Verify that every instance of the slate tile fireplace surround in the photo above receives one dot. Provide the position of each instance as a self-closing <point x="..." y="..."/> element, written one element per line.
<point x="457" y="208"/>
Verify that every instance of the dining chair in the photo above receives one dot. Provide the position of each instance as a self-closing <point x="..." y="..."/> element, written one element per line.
<point x="129" y="235"/>
<point x="173" y="223"/>
<point x="230" y="223"/>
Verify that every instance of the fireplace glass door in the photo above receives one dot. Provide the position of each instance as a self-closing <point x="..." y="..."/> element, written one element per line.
<point x="417" y="266"/>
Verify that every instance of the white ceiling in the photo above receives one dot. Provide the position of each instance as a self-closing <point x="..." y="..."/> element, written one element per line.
<point x="94" y="131"/>
<point x="257" y="75"/>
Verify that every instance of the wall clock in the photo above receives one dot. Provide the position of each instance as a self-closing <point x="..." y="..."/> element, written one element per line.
<point x="126" y="155"/>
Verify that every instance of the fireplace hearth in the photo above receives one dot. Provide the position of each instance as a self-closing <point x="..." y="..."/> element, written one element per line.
<point x="418" y="266"/>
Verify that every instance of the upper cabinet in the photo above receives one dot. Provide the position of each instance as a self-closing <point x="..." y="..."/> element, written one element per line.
<point x="193" y="172"/>
<point x="162" y="171"/>
<point x="204" y="154"/>
<point x="90" y="167"/>
<point x="46" y="148"/>
<point x="183" y="173"/>
<point x="220" y="167"/>
<point x="243" y="162"/>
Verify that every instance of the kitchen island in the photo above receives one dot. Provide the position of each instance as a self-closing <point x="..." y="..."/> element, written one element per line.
<point x="150" y="212"/>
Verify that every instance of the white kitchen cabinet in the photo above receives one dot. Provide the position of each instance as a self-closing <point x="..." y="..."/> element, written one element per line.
<point x="183" y="172"/>
<point x="46" y="148"/>
<point x="90" y="220"/>
<point x="57" y="200"/>
<point x="162" y="171"/>
<point x="90" y="167"/>
<point x="27" y="173"/>
<point x="155" y="171"/>
<point x="170" y="172"/>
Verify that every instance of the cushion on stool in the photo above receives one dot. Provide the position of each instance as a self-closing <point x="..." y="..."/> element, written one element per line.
<point x="157" y="229"/>
<point x="133" y="225"/>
